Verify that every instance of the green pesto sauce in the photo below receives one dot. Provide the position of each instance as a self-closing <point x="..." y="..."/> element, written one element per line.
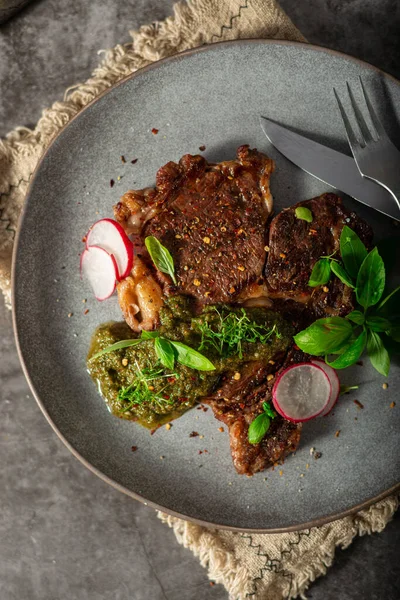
<point x="184" y="387"/>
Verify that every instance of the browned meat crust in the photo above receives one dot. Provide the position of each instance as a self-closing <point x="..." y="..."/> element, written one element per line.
<point x="295" y="246"/>
<point x="238" y="403"/>
<point x="211" y="217"/>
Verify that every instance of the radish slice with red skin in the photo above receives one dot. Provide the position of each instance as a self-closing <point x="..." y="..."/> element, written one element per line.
<point x="109" y="235"/>
<point x="100" y="268"/>
<point x="335" y="384"/>
<point x="301" y="392"/>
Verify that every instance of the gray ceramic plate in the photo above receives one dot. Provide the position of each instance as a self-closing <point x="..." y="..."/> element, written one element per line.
<point x="211" y="96"/>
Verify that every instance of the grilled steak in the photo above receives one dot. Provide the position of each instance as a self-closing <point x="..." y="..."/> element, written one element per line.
<point x="212" y="218"/>
<point x="296" y="245"/>
<point x="238" y="403"/>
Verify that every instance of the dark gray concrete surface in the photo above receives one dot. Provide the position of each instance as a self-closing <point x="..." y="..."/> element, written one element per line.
<point x="65" y="534"/>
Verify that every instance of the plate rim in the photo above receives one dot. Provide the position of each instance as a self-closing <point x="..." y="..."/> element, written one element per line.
<point x="136" y="496"/>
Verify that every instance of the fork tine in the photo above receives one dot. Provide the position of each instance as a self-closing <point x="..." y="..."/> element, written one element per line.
<point x="362" y="125"/>
<point x="353" y="141"/>
<point x="374" y="117"/>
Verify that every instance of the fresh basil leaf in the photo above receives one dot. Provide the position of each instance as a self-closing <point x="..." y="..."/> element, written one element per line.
<point x="320" y="273"/>
<point x="191" y="358"/>
<point x="165" y="352"/>
<point x="351" y="355"/>
<point x="116" y="346"/>
<point x="377" y="353"/>
<point x="341" y="273"/>
<point x="258" y="428"/>
<point x="324" y="336"/>
<point x="388" y="297"/>
<point x="160" y="256"/>
<point x="394" y="332"/>
<point x="352" y="250"/>
<point x="378" y="324"/>
<point x="149" y="335"/>
<point x="356" y="316"/>
<point x="268" y="410"/>
<point x="304" y="214"/>
<point x="345" y="389"/>
<point x="370" y="280"/>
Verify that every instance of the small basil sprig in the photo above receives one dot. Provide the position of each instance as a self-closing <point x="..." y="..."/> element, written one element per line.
<point x="160" y="256"/>
<point x="116" y="346"/>
<point x="353" y="252"/>
<point x="304" y="214"/>
<point x="321" y="272"/>
<point x="259" y="427"/>
<point x="167" y="352"/>
<point x="348" y="337"/>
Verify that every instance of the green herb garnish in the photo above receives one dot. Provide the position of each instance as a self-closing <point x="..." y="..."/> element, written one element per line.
<point x="304" y="214"/>
<point x="116" y="346"/>
<point x="259" y="427"/>
<point x="378" y="355"/>
<point x="231" y="330"/>
<point x="191" y="358"/>
<point x="321" y="273"/>
<point x="167" y="351"/>
<point x="345" y="389"/>
<point x="348" y="337"/>
<point x="141" y="391"/>
<point x="341" y="273"/>
<point x="352" y="250"/>
<point x="160" y="256"/>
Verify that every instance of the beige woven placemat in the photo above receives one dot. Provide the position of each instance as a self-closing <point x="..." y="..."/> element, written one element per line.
<point x="260" y="567"/>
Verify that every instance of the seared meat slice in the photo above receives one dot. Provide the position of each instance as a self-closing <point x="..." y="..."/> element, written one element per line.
<point x="238" y="403"/>
<point x="296" y="245"/>
<point x="212" y="219"/>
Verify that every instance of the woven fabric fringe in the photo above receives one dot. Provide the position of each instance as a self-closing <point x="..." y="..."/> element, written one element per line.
<point x="261" y="567"/>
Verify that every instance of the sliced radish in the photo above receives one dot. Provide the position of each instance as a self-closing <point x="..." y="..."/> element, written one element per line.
<point x="110" y="236"/>
<point x="301" y="392"/>
<point x="335" y="385"/>
<point x="100" y="268"/>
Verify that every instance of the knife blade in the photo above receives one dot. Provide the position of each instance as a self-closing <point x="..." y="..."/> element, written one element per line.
<point x="331" y="167"/>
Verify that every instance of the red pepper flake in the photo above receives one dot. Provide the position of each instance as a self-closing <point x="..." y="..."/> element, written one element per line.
<point x="193" y="434"/>
<point x="84" y="239"/>
<point x="85" y="312"/>
<point x="134" y="161"/>
<point x="112" y="182"/>
<point x="134" y="448"/>
<point x="392" y="404"/>
<point x="200" y="451"/>
<point x="154" y="131"/>
<point x="337" y="433"/>
<point x="242" y="405"/>
<point x="358" y="404"/>
<point x="204" y="408"/>
<point x="166" y="396"/>
<point x="123" y="159"/>
<point x="202" y="148"/>
<point x="221" y="429"/>
<point x="212" y="583"/>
